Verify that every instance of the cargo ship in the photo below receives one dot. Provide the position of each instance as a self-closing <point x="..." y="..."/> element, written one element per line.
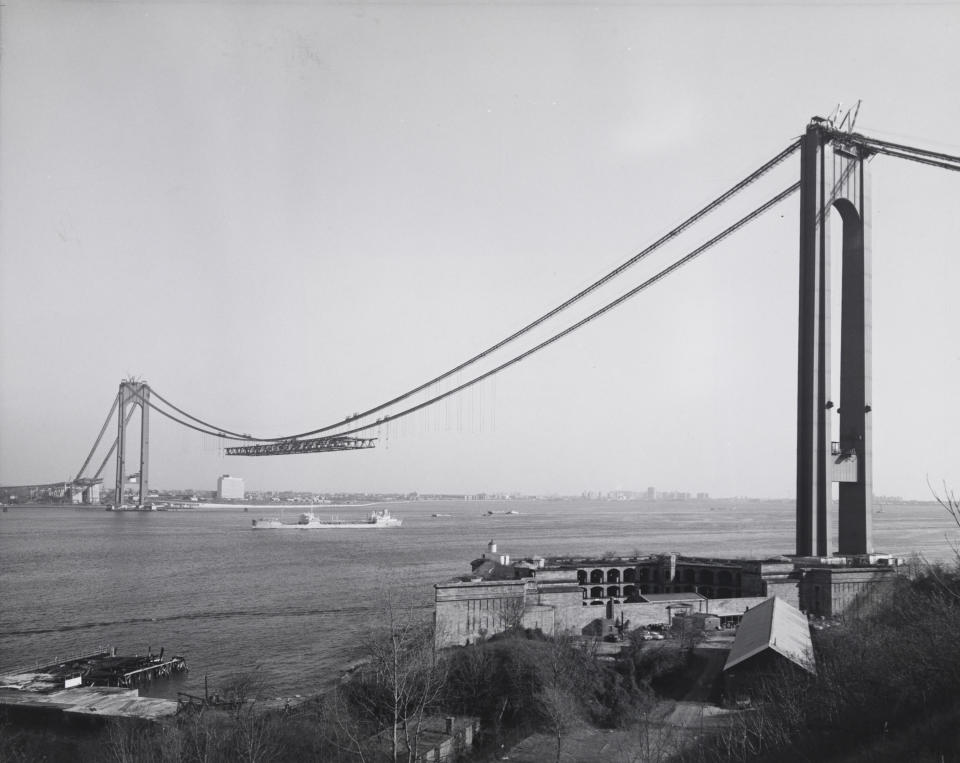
<point x="310" y="521"/>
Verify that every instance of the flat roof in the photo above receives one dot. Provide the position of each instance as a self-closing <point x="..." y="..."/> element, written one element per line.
<point x="673" y="597"/>
<point x="547" y="588"/>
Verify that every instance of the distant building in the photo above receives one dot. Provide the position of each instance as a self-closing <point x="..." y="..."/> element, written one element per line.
<point x="230" y="488"/>
<point x="699" y="621"/>
<point x="587" y="594"/>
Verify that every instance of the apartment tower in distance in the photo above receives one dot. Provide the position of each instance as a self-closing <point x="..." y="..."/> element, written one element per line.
<point x="230" y="488"/>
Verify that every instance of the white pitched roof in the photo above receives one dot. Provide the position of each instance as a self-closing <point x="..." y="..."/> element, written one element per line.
<point x="776" y="625"/>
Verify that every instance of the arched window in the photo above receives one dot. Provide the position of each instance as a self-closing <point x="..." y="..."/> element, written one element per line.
<point x="613" y="575"/>
<point x="630" y="575"/>
<point x="596" y="576"/>
<point x="581" y="576"/>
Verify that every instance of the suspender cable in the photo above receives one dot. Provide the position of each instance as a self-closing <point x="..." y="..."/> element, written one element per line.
<point x="215" y="430"/>
<point x="670" y="235"/>
<point x="207" y="429"/>
<point x="594" y="315"/>
<point x="526" y="354"/>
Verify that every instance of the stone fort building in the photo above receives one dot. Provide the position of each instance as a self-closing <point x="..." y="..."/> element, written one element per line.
<point x="585" y="595"/>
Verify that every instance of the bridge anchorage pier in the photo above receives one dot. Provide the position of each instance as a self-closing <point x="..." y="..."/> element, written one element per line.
<point x="834" y="177"/>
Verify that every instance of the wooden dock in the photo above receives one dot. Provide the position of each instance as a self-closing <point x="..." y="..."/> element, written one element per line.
<point x="85" y="702"/>
<point x="97" y="684"/>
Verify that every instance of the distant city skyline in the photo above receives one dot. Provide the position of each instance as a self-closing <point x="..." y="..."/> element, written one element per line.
<point x="280" y="214"/>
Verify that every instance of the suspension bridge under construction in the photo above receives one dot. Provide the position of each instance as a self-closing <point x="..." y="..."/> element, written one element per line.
<point x="834" y="176"/>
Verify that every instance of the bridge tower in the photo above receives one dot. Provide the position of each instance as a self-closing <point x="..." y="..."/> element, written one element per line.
<point x="834" y="177"/>
<point x="131" y="394"/>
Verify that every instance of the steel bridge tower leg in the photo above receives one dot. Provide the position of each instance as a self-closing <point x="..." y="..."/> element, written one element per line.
<point x="144" y="443"/>
<point x="121" y="444"/>
<point x="834" y="177"/>
<point x="133" y="394"/>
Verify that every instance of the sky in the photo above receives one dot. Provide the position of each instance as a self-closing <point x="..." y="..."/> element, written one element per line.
<point x="282" y="213"/>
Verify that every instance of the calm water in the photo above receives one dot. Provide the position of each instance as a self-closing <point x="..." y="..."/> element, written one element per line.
<point x="294" y="605"/>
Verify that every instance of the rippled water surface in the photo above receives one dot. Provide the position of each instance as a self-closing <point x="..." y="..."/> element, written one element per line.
<point x="294" y="605"/>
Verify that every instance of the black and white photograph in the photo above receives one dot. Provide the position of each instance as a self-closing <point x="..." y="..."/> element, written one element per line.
<point x="562" y="381"/>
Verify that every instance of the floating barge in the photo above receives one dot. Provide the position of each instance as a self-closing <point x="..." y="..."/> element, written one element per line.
<point x="95" y="684"/>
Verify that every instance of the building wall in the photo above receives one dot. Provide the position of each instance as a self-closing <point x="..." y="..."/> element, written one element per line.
<point x="828" y="592"/>
<point x="578" y="595"/>
<point x="468" y="611"/>
<point x="538" y="617"/>
<point x="621" y="579"/>
<point x="230" y="487"/>
<point x="784" y="588"/>
<point x="588" y="619"/>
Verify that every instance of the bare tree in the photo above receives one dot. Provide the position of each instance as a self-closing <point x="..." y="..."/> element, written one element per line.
<point x="257" y="737"/>
<point x="402" y="680"/>
<point x="950" y="504"/>
<point x="204" y="736"/>
<point x="340" y="728"/>
<point x="650" y="740"/>
<point x="561" y="690"/>
<point x="560" y="711"/>
<point x="241" y="690"/>
<point x="509" y="615"/>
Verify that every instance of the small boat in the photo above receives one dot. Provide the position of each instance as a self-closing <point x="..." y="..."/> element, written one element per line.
<point x="309" y="521"/>
<point x="443" y="515"/>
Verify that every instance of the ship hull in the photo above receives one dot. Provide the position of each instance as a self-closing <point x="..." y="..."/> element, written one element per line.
<point x="378" y="520"/>
<point x="272" y="524"/>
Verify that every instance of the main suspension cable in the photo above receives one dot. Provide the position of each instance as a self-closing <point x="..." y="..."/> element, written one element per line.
<point x="903" y="147"/>
<point x="899" y="150"/>
<point x="670" y="235"/>
<point x="584" y="321"/>
<point x="914" y="158"/>
<point x="216" y="430"/>
<point x="203" y="430"/>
